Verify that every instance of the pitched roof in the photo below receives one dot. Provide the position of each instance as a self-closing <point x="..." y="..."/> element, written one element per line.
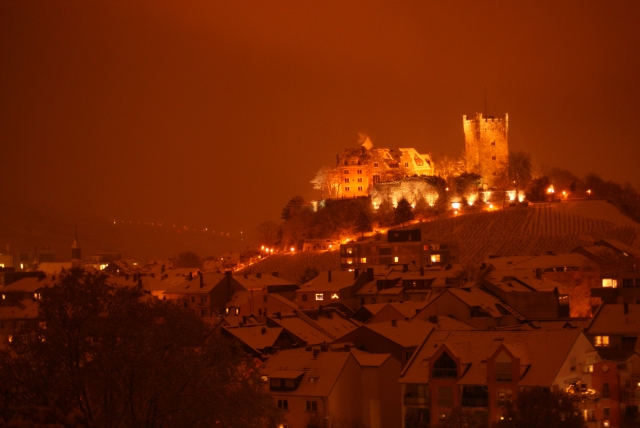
<point x="539" y="366"/>
<point x="23" y="309"/>
<point x="265" y="280"/>
<point x="339" y="279"/>
<point x="210" y="280"/>
<point x="611" y="319"/>
<point x="406" y="333"/>
<point x="319" y="373"/>
<point x="257" y="337"/>
<point x="30" y="284"/>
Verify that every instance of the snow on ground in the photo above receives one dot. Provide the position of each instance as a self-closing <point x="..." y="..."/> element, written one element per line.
<point x="597" y="210"/>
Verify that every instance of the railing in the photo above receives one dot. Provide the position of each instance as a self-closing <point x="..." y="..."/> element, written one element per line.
<point x="475" y="402"/>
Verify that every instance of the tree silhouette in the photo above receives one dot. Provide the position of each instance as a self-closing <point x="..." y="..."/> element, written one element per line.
<point x="404" y="212"/>
<point x="107" y="356"/>
<point x="187" y="259"/>
<point x="540" y="408"/>
<point x="363" y="223"/>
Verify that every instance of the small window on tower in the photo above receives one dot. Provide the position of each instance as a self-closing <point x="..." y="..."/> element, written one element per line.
<point x="493" y="158"/>
<point x="493" y="143"/>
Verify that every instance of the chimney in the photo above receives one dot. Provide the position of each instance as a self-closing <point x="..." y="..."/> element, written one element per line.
<point x="263" y="330"/>
<point x="324" y="347"/>
<point x="625" y="306"/>
<point x="370" y="274"/>
<point x="126" y="277"/>
<point x="421" y="270"/>
<point x="316" y="352"/>
<point x="139" y="282"/>
<point x="275" y="274"/>
<point x="538" y="273"/>
<point x="53" y="278"/>
<point x="328" y="276"/>
<point x="227" y="274"/>
<point x="405" y="267"/>
<point x="201" y="280"/>
<point x="279" y="315"/>
<point x="162" y="269"/>
<point x="190" y="276"/>
<point x="356" y="272"/>
<point x="394" y="322"/>
<point x="433" y="319"/>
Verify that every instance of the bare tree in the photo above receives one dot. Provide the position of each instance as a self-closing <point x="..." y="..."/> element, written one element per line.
<point x="520" y="169"/>
<point x="267" y="232"/>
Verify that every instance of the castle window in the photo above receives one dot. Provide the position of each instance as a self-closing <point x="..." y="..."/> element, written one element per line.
<point x="375" y="164"/>
<point x="346" y="180"/>
<point x="359" y="189"/>
<point x="346" y="189"/>
<point x="359" y="179"/>
<point x="359" y="171"/>
<point x="493" y="143"/>
<point x="406" y="164"/>
<point x="346" y="171"/>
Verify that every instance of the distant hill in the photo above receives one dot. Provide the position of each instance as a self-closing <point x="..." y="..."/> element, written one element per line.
<point x="24" y="228"/>
<point x="536" y="229"/>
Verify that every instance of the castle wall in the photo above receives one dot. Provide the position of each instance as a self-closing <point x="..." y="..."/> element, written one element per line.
<point x="486" y="145"/>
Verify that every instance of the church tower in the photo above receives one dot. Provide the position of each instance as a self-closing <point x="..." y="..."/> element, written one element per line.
<point x="486" y="145"/>
<point x="76" y="253"/>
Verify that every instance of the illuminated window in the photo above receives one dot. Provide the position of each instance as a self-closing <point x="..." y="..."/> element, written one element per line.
<point x="435" y="258"/>
<point x="363" y="260"/>
<point x="319" y="296"/>
<point x="504" y="396"/>
<point x="588" y="368"/>
<point x="335" y="296"/>
<point x="395" y="259"/>
<point x="602" y="341"/>
<point x="608" y="282"/>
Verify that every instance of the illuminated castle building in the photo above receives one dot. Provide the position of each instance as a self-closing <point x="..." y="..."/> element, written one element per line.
<point x="360" y="168"/>
<point x="486" y="145"/>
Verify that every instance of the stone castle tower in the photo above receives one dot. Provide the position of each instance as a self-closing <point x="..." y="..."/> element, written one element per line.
<point x="486" y="145"/>
<point x="76" y="253"/>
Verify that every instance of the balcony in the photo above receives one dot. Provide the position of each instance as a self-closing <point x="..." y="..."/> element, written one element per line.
<point x="475" y="402"/>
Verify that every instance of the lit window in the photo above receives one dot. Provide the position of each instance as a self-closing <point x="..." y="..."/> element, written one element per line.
<point x="602" y="341"/>
<point x="363" y="260"/>
<point x="335" y="296"/>
<point x="319" y="296"/>
<point x="608" y="282"/>
<point x="435" y="258"/>
<point x="588" y="368"/>
<point x="395" y="259"/>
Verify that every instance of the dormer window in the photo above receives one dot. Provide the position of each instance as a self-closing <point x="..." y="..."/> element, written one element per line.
<point x="503" y="368"/>
<point x="445" y="367"/>
<point x="285" y="380"/>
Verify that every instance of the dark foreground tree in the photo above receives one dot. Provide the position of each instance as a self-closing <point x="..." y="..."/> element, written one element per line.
<point x="404" y="212"/>
<point x="540" y="408"/>
<point x="105" y="356"/>
<point x="459" y="418"/>
<point x="363" y="223"/>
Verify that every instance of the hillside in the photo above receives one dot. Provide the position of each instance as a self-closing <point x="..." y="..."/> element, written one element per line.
<point x="540" y="228"/>
<point x="537" y="229"/>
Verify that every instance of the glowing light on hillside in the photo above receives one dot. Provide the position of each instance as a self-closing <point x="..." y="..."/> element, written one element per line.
<point x="511" y="194"/>
<point x="455" y="205"/>
<point x="521" y="195"/>
<point x="292" y="249"/>
<point x="471" y="198"/>
<point x="551" y="190"/>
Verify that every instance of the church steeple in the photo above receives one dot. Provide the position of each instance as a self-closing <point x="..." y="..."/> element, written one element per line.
<point x="76" y="252"/>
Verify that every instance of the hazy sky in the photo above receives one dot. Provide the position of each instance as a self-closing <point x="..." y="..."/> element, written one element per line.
<point x="216" y="113"/>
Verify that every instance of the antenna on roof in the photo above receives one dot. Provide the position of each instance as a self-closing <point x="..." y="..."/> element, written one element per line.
<point x="485" y="101"/>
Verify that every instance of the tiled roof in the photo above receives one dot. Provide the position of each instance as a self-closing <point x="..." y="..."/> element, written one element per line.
<point x="320" y="374"/>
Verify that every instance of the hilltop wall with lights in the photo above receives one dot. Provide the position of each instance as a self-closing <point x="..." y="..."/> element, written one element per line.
<point x="413" y="189"/>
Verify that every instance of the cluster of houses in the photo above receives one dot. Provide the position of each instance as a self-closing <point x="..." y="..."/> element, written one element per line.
<point x="401" y="343"/>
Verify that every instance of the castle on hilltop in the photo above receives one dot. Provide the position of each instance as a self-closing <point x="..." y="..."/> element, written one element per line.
<point x="486" y="145"/>
<point x="361" y="168"/>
